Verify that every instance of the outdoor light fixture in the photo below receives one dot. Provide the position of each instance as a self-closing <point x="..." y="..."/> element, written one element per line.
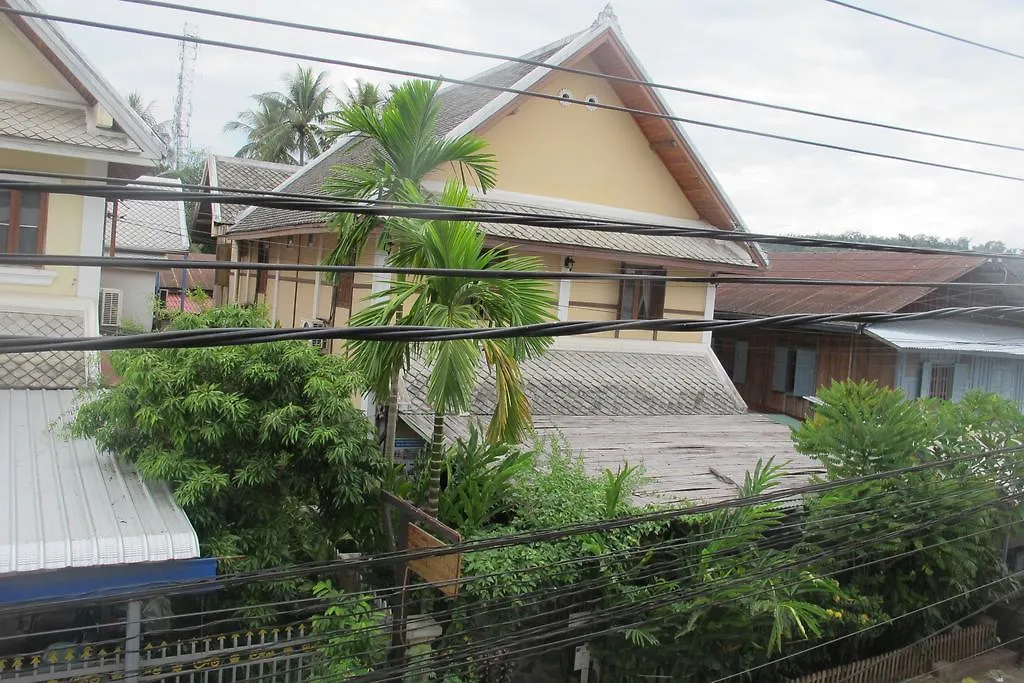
<point x="569" y="262"/>
<point x="290" y="241"/>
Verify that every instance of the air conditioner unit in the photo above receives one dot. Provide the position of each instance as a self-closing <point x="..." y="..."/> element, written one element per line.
<point x="321" y="344"/>
<point x="110" y="307"/>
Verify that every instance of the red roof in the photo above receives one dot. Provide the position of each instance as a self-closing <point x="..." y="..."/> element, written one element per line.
<point x="174" y="304"/>
<point x="202" y="278"/>
<point x="770" y="299"/>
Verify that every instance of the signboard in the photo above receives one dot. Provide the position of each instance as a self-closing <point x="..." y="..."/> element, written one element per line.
<point x="442" y="571"/>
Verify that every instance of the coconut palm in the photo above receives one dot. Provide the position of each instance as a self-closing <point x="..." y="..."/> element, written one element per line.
<point x="404" y="148"/>
<point x="286" y="127"/>
<point x="461" y="302"/>
<point x="364" y="94"/>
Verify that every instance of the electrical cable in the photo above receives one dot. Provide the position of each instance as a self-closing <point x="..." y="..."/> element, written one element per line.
<point x="487" y="86"/>
<point x="481" y="274"/>
<point x="172" y="588"/>
<point x="267" y="21"/>
<point x="206" y="337"/>
<point x="389" y="208"/>
<point x="919" y="27"/>
<point x="1011" y="577"/>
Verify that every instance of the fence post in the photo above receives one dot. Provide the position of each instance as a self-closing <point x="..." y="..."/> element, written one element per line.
<point x="132" y="641"/>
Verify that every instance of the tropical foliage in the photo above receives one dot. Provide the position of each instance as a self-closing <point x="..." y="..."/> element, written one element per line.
<point x="461" y="302"/>
<point x="287" y="126"/>
<point x="260" y="444"/>
<point x="404" y="146"/>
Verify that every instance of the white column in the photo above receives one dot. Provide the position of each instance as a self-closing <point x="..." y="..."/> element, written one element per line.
<point x="379" y="281"/>
<point x="277" y="288"/>
<point x="564" y="289"/>
<point x="133" y="641"/>
<point x="93" y="222"/>
<point x="709" y="311"/>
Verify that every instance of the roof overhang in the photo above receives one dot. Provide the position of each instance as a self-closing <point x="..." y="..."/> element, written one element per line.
<point x="951" y="336"/>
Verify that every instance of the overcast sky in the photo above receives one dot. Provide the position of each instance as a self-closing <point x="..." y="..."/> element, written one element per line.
<point x="806" y="53"/>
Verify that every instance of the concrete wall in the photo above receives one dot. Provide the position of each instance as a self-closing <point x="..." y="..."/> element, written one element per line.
<point x="138" y="292"/>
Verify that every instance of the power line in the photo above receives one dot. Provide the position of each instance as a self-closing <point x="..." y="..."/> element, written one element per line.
<point x="205" y="337"/>
<point x="516" y="91"/>
<point x="482" y="274"/>
<point x="564" y="69"/>
<point x="553" y="534"/>
<point x="387" y="208"/>
<point x="919" y="27"/>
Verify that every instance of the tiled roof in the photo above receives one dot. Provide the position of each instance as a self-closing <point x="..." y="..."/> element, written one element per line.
<point x="51" y="123"/>
<point x="48" y="369"/>
<point x="584" y="382"/>
<point x="771" y="299"/>
<point x="151" y="226"/>
<point x="458" y="103"/>
<point x="670" y="413"/>
<point x="68" y="505"/>
<point x="247" y="174"/>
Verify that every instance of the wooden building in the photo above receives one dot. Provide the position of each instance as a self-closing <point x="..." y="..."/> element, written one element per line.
<point x="776" y="371"/>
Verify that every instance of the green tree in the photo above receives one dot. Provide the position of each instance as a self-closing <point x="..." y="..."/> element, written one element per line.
<point x="364" y="94"/>
<point x="404" y="146"/>
<point x="963" y="510"/>
<point x="260" y="444"/>
<point x="286" y="127"/>
<point x="445" y="301"/>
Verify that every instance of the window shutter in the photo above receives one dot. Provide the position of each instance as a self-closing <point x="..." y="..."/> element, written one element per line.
<point x="780" y="370"/>
<point x="806" y="369"/>
<point x="656" y="305"/>
<point x="739" y="362"/>
<point x="110" y="307"/>
<point x="961" y="380"/>
<point x="926" y="380"/>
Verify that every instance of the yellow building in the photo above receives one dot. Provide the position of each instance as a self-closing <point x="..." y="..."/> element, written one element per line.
<point x="579" y="161"/>
<point x="57" y="114"/>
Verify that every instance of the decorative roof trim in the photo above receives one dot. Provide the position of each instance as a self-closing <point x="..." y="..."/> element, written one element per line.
<point x="89" y="77"/>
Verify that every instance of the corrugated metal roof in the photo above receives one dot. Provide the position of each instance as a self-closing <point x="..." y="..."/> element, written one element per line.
<point x="957" y="336"/>
<point x="197" y="277"/>
<point x="65" y="504"/>
<point x="769" y="299"/>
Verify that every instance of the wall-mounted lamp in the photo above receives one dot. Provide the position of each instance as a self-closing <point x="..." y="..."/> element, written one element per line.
<point x="309" y="240"/>
<point x="290" y="241"/>
<point x="569" y="263"/>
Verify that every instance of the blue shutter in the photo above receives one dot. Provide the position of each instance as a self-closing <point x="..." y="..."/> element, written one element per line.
<point x="739" y="362"/>
<point x="926" y="380"/>
<point x="961" y="380"/>
<point x="780" y="370"/>
<point x="804" y="377"/>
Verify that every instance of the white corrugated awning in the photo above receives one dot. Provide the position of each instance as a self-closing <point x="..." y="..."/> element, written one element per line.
<point x="65" y="504"/>
<point x="957" y="336"/>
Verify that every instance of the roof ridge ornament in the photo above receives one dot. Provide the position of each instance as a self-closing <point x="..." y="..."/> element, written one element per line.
<point x="606" y="17"/>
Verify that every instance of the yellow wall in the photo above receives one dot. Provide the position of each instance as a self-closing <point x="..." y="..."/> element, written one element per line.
<point x="63" y="221"/>
<point x="20" y="63"/>
<point x="569" y="152"/>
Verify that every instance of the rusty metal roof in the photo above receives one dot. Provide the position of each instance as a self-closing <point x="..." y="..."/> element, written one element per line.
<point x="771" y="299"/>
<point x="197" y="277"/>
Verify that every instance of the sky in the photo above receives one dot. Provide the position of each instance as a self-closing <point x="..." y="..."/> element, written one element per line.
<point x="805" y="53"/>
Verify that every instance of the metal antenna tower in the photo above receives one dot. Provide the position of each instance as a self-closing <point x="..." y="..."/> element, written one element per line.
<point x="188" y="50"/>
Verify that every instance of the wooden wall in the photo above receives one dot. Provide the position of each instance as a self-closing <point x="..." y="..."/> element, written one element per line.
<point x="839" y="357"/>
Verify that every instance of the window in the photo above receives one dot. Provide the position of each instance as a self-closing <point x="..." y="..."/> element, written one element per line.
<point x="642" y="299"/>
<point x="22" y="222"/>
<point x="942" y="382"/>
<point x="262" y="256"/>
<point x="794" y="371"/>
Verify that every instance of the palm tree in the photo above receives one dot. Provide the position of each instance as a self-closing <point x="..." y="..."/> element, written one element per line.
<point x="447" y="301"/>
<point x="162" y="129"/>
<point x="286" y="126"/>
<point x="364" y="94"/>
<point x="405" y="148"/>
